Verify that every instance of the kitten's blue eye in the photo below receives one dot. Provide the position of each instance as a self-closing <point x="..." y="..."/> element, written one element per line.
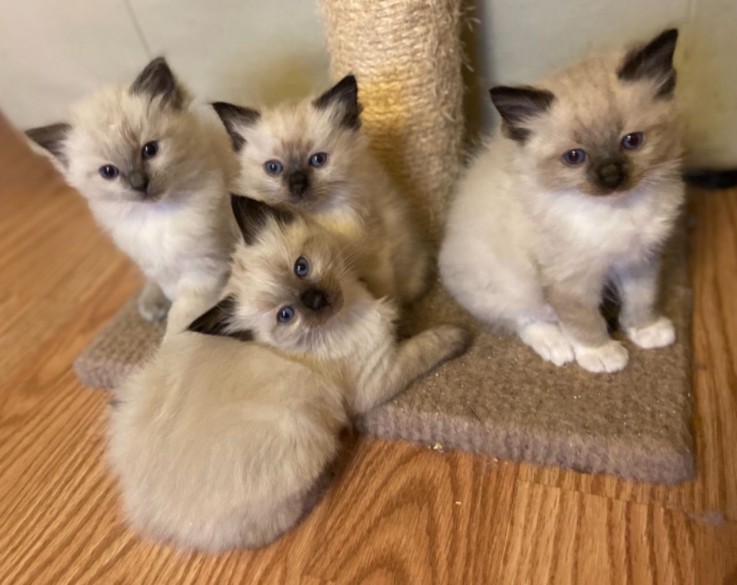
<point x="285" y="314"/>
<point x="109" y="172"/>
<point x="301" y="267"/>
<point x="318" y="159"/>
<point x="574" y="157"/>
<point x="273" y="167"/>
<point x="633" y="141"/>
<point x="150" y="149"/>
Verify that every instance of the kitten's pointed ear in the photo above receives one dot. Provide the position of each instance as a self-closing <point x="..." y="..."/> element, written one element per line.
<point x="517" y="105"/>
<point x="52" y="139"/>
<point x="653" y="60"/>
<point x="235" y="117"/>
<point x="343" y="95"/>
<point x="252" y="215"/>
<point x="157" y="80"/>
<point x="218" y="321"/>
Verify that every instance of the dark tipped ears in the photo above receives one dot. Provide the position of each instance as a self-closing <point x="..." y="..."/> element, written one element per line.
<point x="51" y="138"/>
<point x="235" y="117"/>
<point x="157" y="80"/>
<point x="654" y="60"/>
<point x="517" y="105"/>
<point x="218" y="320"/>
<point x="343" y="95"/>
<point x="253" y="215"/>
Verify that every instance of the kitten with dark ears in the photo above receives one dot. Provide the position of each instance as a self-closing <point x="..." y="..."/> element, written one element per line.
<point x="312" y="156"/>
<point x="580" y="190"/>
<point x="220" y="440"/>
<point x="154" y="172"/>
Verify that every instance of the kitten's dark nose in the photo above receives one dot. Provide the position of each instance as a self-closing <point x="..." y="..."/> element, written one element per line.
<point x="138" y="181"/>
<point x="314" y="299"/>
<point x="611" y="174"/>
<point x="298" y="183"/>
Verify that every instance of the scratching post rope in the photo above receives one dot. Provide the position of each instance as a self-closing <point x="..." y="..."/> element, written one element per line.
<point x="407" y="57"/>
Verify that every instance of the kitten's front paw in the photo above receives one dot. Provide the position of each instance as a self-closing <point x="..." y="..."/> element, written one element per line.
<point x="661" y="333"/>
<point x="548" y="341"/>
<point x="153" y="307"/>
<point x="454" y="340"/>
<point x="607" y="358"/>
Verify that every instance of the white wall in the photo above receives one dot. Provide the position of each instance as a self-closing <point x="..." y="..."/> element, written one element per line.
<point x="53" y="52"/>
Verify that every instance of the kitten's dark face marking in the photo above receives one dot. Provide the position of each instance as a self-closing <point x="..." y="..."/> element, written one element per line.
<point x="235" y="118"/>
<point x="218" y="321"/>
<point x="343" y="96"/>
<point x="158" y="81"/>
<point x="51" y="138"/>
<point x="518" y="106"/>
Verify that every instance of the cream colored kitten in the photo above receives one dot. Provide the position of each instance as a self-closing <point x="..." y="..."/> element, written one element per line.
<point x="154" y="172"/>
<point x="219" y="443"/>
<point x="312" y="156"/>
<point x="582" y="187"/>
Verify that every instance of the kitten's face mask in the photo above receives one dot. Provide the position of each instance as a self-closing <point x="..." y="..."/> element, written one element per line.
<point x="605" y="126"/>
<point x="129" y="144"/>
<point x="290" y="284"/>
<point x="299" y="155"/>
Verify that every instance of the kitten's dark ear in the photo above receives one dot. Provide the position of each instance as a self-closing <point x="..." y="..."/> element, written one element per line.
<point x="344" y="95"/>
<point x="653" y="61"/>
<point x="517" y="105"/>
<point x="252" y="216"/>
<point x="157" y="80"/>
<point x="217" y="321"/>
<point x="52" y="138"/>
<point x="235" y="117"/>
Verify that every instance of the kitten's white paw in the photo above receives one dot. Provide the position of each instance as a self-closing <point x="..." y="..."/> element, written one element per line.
<point x="548" y="341"/>
<point x="153" y="308"/>
<point x="661" y="333"/>
<point x="607" y="358"/>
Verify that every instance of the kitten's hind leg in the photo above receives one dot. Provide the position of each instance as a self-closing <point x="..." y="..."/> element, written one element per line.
<point x="152" y="302"/>
<point x="547" y="340"/>
<point x="397" y="366"/>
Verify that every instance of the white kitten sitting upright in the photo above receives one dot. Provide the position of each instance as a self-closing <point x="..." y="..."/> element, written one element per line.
<point x="580" y="189"/>
<point x="154" y="172"/>
<point x="312" y="156"/>
<point x="221" y="439"/>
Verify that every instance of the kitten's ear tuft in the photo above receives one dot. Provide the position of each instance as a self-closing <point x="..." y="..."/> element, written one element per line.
<point x="218" y="321"/>
<point x="252" y="215"/>
<point x="235" y="117"/>
<point x="343" y="95"/>
<point x="653" y="60"/>
<point x="51" y="138"/>
<point x="517" y="105"/>
<point x="157" y="80"/>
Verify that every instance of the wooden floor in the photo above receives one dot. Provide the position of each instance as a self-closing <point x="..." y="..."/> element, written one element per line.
<point x="400" y="513"/>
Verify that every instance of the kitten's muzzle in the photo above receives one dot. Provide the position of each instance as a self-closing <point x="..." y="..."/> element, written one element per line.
<point x="611" y="174"/>
<point x="315" y="299"/>
<point x="298" y="182"/>
<point x="138" y="181"/>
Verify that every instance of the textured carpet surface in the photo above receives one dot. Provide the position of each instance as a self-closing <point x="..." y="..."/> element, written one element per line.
<point x="503" y="400"/>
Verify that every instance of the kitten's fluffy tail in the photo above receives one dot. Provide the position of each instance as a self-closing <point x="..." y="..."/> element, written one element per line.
<point x="711" y="178"/>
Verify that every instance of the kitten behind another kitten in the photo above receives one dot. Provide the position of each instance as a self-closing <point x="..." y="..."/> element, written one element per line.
<point x="580" y="189"/>
<point x="219" y="441"/>
<point x="154" y="172"/>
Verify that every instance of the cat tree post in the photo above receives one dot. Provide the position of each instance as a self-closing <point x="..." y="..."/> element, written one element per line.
<point x="407" y="58"/>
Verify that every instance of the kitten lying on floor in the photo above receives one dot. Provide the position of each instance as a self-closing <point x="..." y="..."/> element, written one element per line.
<point x="220" y="443"/>
<point x="312" y="156"/>
<point x="581" y="188"/>
<point x="154" y="172"/>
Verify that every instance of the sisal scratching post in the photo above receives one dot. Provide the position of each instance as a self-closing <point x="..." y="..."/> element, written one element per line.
<point x="407" y="57"/>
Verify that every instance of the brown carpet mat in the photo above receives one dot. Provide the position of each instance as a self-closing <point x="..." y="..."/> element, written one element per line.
<point x="503" y="400"/>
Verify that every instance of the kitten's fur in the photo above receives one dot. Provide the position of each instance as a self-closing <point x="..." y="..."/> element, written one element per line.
<point x="349" y="193"/>
<point x="170" y="212"/>
<point x="220" y="443"/>
<point x="531" y="240"/>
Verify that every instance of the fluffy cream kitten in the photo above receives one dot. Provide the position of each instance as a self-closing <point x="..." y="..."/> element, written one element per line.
<point x="221" y="444"/>
<point x="313" y="156"/>
<point x="581" y="188"/>
<point x="154" y="172"/>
